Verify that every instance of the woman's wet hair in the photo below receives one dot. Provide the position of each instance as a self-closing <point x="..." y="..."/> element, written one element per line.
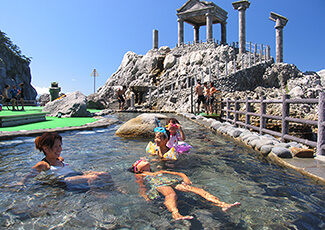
<point x="131" y="169"/>
<point x="46" y="140"/>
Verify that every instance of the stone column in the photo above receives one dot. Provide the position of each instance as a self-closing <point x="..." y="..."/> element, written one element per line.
<point x="180" y="31"/>
<point x="268" y="50"/>
<point x="196" y="33"/>
<point x="155" y="39"/>
<point x="209" y="27"/>
<point x="241" y="6"/>
<point x="280" y="22"/>
<point x="132" y="100"/>
<point x="223" y="33"/>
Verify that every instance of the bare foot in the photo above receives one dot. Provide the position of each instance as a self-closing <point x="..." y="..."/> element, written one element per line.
<point x="230" y="206"/>
<point x="178" y="216"/>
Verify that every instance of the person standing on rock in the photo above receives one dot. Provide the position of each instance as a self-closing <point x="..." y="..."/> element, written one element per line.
<point x="14" y="93"/>
<point x="5" y="97"/>
<point x="213" y="91"/>
<point x="121" y="97"/>
<point x="199" y="92"/>
<point x="206" y="95"/>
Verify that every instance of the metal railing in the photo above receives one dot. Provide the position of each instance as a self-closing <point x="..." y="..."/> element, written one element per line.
<point x="232" y="112"/>
<point x="26" y="102"/>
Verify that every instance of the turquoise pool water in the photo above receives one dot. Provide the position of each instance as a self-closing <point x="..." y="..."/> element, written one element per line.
<point x="271" y="196"/>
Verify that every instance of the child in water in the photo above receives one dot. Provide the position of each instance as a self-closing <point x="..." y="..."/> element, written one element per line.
<point x="164" y="183"/>
<point x="176" y="135"/>
<point x="160" y="147"/>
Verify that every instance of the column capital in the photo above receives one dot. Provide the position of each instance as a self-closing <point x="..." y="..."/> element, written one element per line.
<point x="280" y="21"/>
<point x="241" y="5"/>
<point x="180" y="20"/>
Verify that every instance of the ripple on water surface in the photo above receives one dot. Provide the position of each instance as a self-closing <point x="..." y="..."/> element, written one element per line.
<point x="271" y="197"/>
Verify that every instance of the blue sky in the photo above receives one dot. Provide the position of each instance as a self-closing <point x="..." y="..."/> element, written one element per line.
<point x="67" y="39"/>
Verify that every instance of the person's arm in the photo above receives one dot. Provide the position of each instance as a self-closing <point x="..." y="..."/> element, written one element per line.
<point x="142" y="186"/>
<point x="181" y="132"/>
<point x="196" y="90"/>
<point x="39" y="167"/>
<point x="160" y="155"/>
<point x="60" y="158"/>
<point x="182" y="175"/>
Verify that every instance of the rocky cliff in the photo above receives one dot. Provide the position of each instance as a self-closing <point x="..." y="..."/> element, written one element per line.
<point x="166" y="67"/>
<point x="14" y="67"/>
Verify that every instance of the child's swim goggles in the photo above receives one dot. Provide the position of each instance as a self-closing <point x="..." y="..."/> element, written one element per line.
<point x="172" y="125"/>
<point x="160" y="130"/>
<point x="136" y="164"/>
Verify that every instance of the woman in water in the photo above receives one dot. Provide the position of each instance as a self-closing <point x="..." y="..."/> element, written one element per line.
<point x="164" y="182"/>
<point x="51" y="145"/>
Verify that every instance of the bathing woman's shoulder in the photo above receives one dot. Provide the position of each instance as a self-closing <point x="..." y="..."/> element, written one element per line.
<point x="41" y="166"/>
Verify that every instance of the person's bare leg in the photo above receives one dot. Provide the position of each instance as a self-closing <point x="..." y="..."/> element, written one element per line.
<point x="206" y="195"/>
<point x="13" y="104"/>
<point x="22" y="104"/>
<point x="171" y="202"/>
<point x="89" y="177"/>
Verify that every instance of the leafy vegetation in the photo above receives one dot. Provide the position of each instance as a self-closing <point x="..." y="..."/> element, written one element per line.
<point x="7" y="43"/>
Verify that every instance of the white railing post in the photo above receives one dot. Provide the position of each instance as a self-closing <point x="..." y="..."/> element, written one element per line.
<point x="321" y="130"/>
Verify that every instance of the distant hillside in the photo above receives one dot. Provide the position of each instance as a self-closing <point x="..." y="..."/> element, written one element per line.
<point x="14" y="67"/>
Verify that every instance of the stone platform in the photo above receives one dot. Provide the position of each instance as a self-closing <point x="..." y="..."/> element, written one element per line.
<point x="20" y="119"/>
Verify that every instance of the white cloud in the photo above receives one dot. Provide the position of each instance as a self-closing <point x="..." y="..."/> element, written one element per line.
<point x="73" y="79"/>
<point x="41" y="90"/>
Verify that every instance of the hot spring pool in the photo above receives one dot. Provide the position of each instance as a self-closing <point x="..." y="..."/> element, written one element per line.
<point x="271" y="197"/>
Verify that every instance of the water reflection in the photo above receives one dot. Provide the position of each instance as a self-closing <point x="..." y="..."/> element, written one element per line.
<point x="271" y="197"/>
